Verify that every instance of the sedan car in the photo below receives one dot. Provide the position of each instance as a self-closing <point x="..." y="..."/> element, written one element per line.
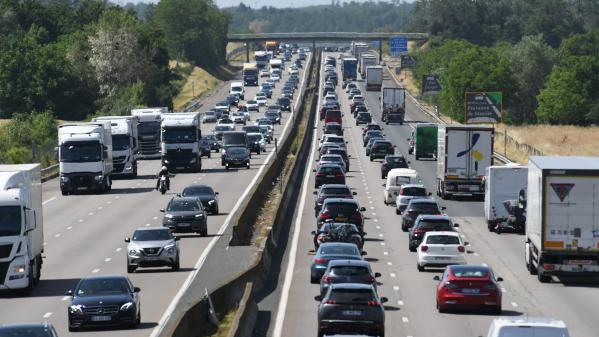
<point x="381" y="149"/>
<point x="372" y="134"/>
<point x="264" y="73"/>
<point x="284" y="103"/>
<point x="104" y="300"/>
<point x="341" y="152"/>
<point x="328" y="252"/>
<point x="347" y="271"/>
<point x="371" y="127"/>
<point x="408" y="192"/>
<point x="275" y="77"/>
<point x="428" y="223"/>
<point x="256" y="142"/>
<point x="441" y="249"/>
<point x="371" y="142"/>
<point x="261" y="98"/>
<point x="207" y="196"/>
<point x="350" y="308"/>
<point x="239" y="117"/>
<point x="209" y="117"/>
<point x="44" y="329"/>
<point x="236" y="157"/>
<point x="185" y="214"/>
<point x="273" y="116"/>
<point x="391" y="162"/>
<point x="415" y="208"/>
<point x="470" y="287"/>
<point x="223" y="106"/>
<point x="252" y="105"/>
<point x="329" y="174"/>
<point x="266" y="89"/>
<point x="332" y="159"/>
<point x="333" y="128"/>
<point x="152" y="247"/>
<point x="341" y="210"/>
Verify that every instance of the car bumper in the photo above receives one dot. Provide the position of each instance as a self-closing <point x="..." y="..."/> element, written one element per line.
<point x="237" y="163"/>
<point x="152" y="261"/>
<point x="316" y="271"/>
<point x="185" y="226"/>
<point x="333" y="327"/>
<point x="430" y="260"/>
<point x="469" y="301"/>
<point x="88" y="320"/>
<point x="322" y="181"/>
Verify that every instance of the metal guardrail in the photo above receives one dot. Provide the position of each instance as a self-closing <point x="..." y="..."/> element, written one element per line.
<point x="50" y="172"/>
<point x="326" y="36"/>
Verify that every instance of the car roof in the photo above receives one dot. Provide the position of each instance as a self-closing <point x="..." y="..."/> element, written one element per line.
<point x="356" y="286"/>
<point x="338" y="244"/>
<point x="334" y="186"/>
<point x="198" y="185"/>
<point x="185" y="199"/>
<point x="45" y="325"/>
<point x="154" y="228"/>
<point x="104" y="277"/>
<point x="442" y="233"/>
<point x="341" y="201"/>
<point x="530" y="321"/>
<point x="359" y="263"/>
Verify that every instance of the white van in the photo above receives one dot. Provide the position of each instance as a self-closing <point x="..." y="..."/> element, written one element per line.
<point x="502" y="182"/>
<point x="395" y="179"/>
<point x="237" y="88"/>
<point x="528" y="327"/>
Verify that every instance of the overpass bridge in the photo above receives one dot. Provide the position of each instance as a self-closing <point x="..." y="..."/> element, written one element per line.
<point x="322" y="37"/>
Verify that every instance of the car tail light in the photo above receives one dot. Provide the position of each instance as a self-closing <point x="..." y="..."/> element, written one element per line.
<point x="461" y="249"/>
<point x="328" y="279"/>
<point x="548" y="266"/>
<point x="320" y="174"/>
<point x="401" y="192"/>
<point x="369" y="279"/>
<point x="418" y="231"/>
<point x="329" y="302"/>
<point x="373" y="303"/>
<point x="320" y="238"/>
<point x="423" y="248"/>
<point x="449" y="285"/>
<point x="339" y="175"/>
<point x="324" y="216"/>
<point x="321" y="261"/>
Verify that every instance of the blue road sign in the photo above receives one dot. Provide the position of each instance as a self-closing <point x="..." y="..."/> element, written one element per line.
<point x="376" y="44"/>
<point x="398" y="46"/>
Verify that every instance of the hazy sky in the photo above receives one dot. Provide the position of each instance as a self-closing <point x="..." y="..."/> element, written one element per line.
<point x="259" y="3"/>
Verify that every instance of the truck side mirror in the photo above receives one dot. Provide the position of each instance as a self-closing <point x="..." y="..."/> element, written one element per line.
<point x="30" y="220"/>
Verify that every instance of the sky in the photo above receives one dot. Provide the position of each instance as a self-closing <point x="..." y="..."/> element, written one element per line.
<point x="259" y="3"/>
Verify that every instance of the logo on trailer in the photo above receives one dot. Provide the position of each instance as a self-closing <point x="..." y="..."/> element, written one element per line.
<point x="562" y="190"/>
<point x="476" y="154"/>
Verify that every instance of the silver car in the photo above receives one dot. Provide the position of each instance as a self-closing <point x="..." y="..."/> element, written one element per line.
<point x="407" y="193"/>
<point x="152" y="247"/>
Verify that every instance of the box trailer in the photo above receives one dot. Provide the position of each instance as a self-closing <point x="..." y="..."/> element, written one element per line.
<point x="502" y="183"/>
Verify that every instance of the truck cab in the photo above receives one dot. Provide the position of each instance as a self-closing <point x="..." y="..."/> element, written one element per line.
<point x="149" y="131"/>
<point x="180" y="141"/>
<point x="124" y="144"/>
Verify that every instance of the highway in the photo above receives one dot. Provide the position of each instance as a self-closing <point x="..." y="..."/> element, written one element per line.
<point x="84" y="234"/>
<point x="411" y="308"/>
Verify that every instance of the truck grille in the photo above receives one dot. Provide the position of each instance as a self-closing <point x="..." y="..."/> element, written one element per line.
<point x="184" y="218"/>
<point x="87" y="181"/>
<point x="101" y="309"/>
<point x="119" y="160"/>
<point x="151" y="146"/>
<point x="5" y="250"/>
<point x="151" y="251"/>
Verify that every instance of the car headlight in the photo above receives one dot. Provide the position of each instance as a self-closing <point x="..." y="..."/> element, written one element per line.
<point x="64" y="179"/>
<point x="20" y="269"/>
<point x="133" y="252"/>
<point x="211" y="202"/>
<point x="170" y="249"/>
<point x="76" y="309"/>
<point x="223" y="152"/>
<point x="168" y="216"/>
<point x="126" y="306"/>
<point x="99" y="178"/>
<point x="199" y="215"/>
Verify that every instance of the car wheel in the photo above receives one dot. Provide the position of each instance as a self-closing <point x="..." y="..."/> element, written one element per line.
<point x="130" y="268"/>
<point x="441" y="309"/>
<point x="397" y="211"/>
<point x="208" y="154"/>
<point x="542" y="277"/>
<point x="215" y="212"/>
<point x="204" y="232"/>
<point x="72" y="328"/>
<point x="320" y="333"/>
<point x="497" y="310"/>
<point x="413" y="249"/>
<point x="314" y="280"/>
<point x="177" y="265"/>
<point x="371" y="158"/>
<point x="227" y="166"/>
<point x="420" y="268"/>
<point x="530" y="266"/>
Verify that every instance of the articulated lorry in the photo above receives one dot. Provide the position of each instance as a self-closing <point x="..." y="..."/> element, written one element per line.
<point x="366" y="60"/>
<point x="125" y="142"/>
<point x="349" y="68"/>
<point x="250" y="74"/>
<point x="562" y="212"/>
<point x="180" y="141"/>
<point x="149" y="131"/>
<point x="463" y="154"/>
<point x="393" y="105"/>
<point x="425" y="141"/>
<point x="261" y="58"/>
<point x="374" y="78"/>
<point x="85" y="157"/>
<point x="21" y="227"/>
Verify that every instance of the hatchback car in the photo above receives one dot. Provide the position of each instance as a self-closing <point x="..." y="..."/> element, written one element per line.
<point x="207" y="196"/>
<point x="526" y="327"/>
<point x="469" y="287"/>
<point x="372" y="134"/>
<point x="256" y="142"/>
<point x="393" y="161"/>
<point x="341" y="152"/>
<point x="332" y="159"/>
<point x="44" y="329"/>
<point x="209" y="117"/>
<point x="106" y="300"/>
<point x="428" y="223"/>
<point x="236" y="157"/>
<point x="415" y="208"/>
<point x="284" y="103"/>
<point x="341" y="210"/>
<point x="152" y="247"/>
<point x="408" y="192"/>
<point x="328" y="252"/>
<point x="381" y="149"/>
<point x="331" y="191"/>
<point x="371" y="127"/>
<point x="350" y="308"/>
<point x="363" y="118"/>
<point x="185" y="214"/>
<point x="329" y="174"/>
<point x="252" y="105"/>
<point x="348" y="271"/>
<point x="334" y="129"/>
<point x="333" y="116"/>
<point x="441" y="249"/>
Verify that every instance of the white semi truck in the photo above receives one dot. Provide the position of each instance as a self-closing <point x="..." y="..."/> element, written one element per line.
<point x="562" y="212"/>
<point x="149" y="131"/>
<point x="366" y="60"/>
<point x="374" y="78"/>
<point x="125" y="140"/>
<point x="85" y="157"/>
<point x="180" y="141"/>
<point x="21" y="227"/>
<point x="463" y="154"/>
<point x="393" y="105"/>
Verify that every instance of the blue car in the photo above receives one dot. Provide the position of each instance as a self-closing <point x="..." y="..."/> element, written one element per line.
<point x="267" y="89"/>
<point x="331" y="251"/>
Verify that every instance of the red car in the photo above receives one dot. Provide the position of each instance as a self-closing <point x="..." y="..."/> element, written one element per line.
<point x="333" y="116"/>
<point x="469" y="287"/>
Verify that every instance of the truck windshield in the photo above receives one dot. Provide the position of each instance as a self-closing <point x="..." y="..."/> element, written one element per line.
<point x="148" y="127"/>
<point x="10" y="220"/>
<point x="80" y="152"/>
<point x="179" y="135"/>
<point x="120" y="143"/>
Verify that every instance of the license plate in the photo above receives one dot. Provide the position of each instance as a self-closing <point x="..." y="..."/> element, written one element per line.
<point x="330" y="176"/>
<point x="351" y="312"/>
<point x="152" y="258"/>
<point x="100" y="318"/>
<point x="81" y="188"/>
<point x="340" y="218"/>
<point x="583" y="262"/>
<point x="470" y="291"/>
<point x="441" y="257"/>
<point x="184" y="225"/>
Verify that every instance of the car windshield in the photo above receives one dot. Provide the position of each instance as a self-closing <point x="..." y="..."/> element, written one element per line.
<point x="251" y="101"/>
<point x="424" y="207"/>
<point x="183" y="206"/>
<point x="103" y="286"/>
<point x="272" y="114"/>
<point x="329" y="169"/>
<point x="197" y="190"/>
<point x="400" y="161"/>
<point x="336" y="191"/>
<point x="79" y="152"/>
<point x="338" y="250"/>
<point x="221" y="128"/>
<point x="152" y="235"/>
<point x="374" y="127"/>
<point x="333" y="114"/>
<point x="364" y="114"/>
<point x="332" y="158"/>
<point x="352" y="295"/>
<point x="470" y="271"/>
<point x="349" y="270"/>
<point x="10" y="221"/>
<point x="336" y="151"/>
<point x="37" y="331"/>
<point x="236" y="150"/>
<point x="375" y="133"/>
<point x="335" y="139"/>
<point x="254" y="138"/>
<point x="209" y="113"/>
<point x="443" y="240"/>
<point x="120" y="142"/>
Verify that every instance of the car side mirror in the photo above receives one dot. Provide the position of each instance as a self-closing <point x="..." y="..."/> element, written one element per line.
<point x="429" y="193"/>
<point x="136" y="289"/>
<point x="313" y="232"/>
<point x="466" y="243"/>
<point x="354" y="193"/>
<point x="500" y="279"/>
<point x="315" y="192"/>
<point x="162" y="210"/>
<point x="318" y="298"/>
<point x="177" y="238"/>
<point x="443" y="208"/>
<point x="314" y="170"/>
<point x="217" y="193"/>
<point x="127" y="240"/>
<point x="436" y="278"/>
<point x="456" y="225"/>
<point x="69" y="293"/>
<point x="384" y="300"/>
<point x="377" y="275"/>
<point x="362" y="209"/>
<point x="363" y="253"/>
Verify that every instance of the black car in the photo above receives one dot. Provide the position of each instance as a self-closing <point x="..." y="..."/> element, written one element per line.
<point x="214" y="143"/>
<point x="341" y="210"/>
<point x="331" y="191"/>
<point x="207" y="196"/>
<point x="393" y="161"/>
<point x="333" y="128"/>
<point x="107" y="300"/>
<point x="273" y="116"/>
<point x="233" y="100"/>
<point x="288" y="92"/>
<point x="343" y="153"/>
<point x="381" y="149"/>
<point x="371" y="127"/>
<point x="363" y="118"/>
<point x="417" y="207"/>
<point x="284" y="103"/>
<point x="236" y="157"/>
<point x="351" y="308"/>
<point x="185" y="214"/>
<point x="329" y="174"/>
<point x="44" y="329"/>
<point x="254" y="142"/>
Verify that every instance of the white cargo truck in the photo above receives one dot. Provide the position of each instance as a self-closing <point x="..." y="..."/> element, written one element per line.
<point x="125" y="140"/>
<point x="393" y="105"/>
<point x="180" y="141"/>
<point x="562" y="217"/>
<point x="502" y="183"/>
<point x="21" y="227"/>
<point x="85" y="157"/>
<point x="463" y="154"/>
<point x="149" y="131"/>
<point x="374" y="78"/>
<point x="366" y="60"/>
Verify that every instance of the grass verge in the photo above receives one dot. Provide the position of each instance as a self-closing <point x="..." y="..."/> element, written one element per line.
<point x="196" y="82"/>
<point x="225" y="323"/>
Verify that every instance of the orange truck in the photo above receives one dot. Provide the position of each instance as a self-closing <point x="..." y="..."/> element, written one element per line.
<point x="271" y="46"/>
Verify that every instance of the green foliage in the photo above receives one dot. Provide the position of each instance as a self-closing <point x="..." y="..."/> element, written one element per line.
<point x="28" y="137"/>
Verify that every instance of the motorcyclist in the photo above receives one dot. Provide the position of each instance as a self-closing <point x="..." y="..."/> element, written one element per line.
<point x="163" y="173"/>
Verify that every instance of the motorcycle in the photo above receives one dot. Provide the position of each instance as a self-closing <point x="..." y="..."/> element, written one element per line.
<point x="162" y="186"/>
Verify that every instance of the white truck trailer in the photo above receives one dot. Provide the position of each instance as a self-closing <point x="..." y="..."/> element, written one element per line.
<point x="366" y="60"/>
<point x="180" y="141"/>
<point x="502" y="183"/>
<point x="393" y="105"/>
<point x="374" y="78"/>
<point x="21" y="227"/>
<point x="562" y="217"/>
<point x="85" y="157"/>
<point x="125" y="140"/>
<point x="149" y="131"/>
<point x="463" y="154"/>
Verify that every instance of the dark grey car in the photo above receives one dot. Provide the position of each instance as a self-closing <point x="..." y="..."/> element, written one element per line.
<point x="185" y="214"/>
<point x="236" y="157"/>
<point x="331" y="251"/>
<point x="44" y="329"/>
<point x="347" y="271"/>
<point x="350" y="308"/>
<point x="205" y="193"/>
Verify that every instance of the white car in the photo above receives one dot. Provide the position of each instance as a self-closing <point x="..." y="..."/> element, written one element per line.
<point x="293" y="70"/>
<point x="252" y="105"/>
<point x="226" y="122"/>
<point x="264" y="73"/>
<point x="527" y="326"/>
<point x="440" y="249"/>
<point x="275" y="77"/>
<point x="239" y="117"/>
<point x="261" y="99"/>
<point x="261" y="140"/>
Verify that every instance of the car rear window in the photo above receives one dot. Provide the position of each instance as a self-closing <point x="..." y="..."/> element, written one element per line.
<point x="334" y="127"/>
<point x="333" y="114"/>
<point x="333" y="158"/>
<point x="470" y="271"/>
<point x="343" y="208"/>
<point x="336" y="191"/>
<point x="349" y="270"/>
<point x="352" y="295"/>
<point x="339" y="250"/>
<point x="443" y="240"/>
<point x="330" y="169"/>
<point x="414" y="191"/>
<point x="335" y="139"/>
<point x="437" y="225"/>
<point x="424" y="207"/>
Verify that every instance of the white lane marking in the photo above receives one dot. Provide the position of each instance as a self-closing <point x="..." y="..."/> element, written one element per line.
<point x="392" y="274"/>
<point x="395" y="288"/>
<point x="100" y="208"/>
<point x="389" y="263"/>
<point x="80" y="220"/>
<point x="69" y="228"/>
<point x="49" y="200"/>
<point x="119" y="249"/>
<point x="47" y="315"/>
<point x="45" y="243"/>
<point x="503" y="290"/>
<point x="375" y="220"/>
<point x="381" y="235"/>
<point x="405" y="319"/>
<point x="108" y="202"/>
<point x="369" y="197"/>
<point x="117" y="197"/>
<point x="400" y="302"/>
<point x="107" y="259"/>
<point x="155" y="218"/>
<point x="514" y="304"/>
<point x="382" y="243"/>
<point x="90" y="213"/>
<point x="371" y="207"/>
<point x="370" y="201"/>
<point x="373" y="214"/>
<point x="367" y="192"/>
<point x="476" y="254"/>
<point x="484" y="264"/>
<point x="64" y="298"/>
<point x="95" y="271"/>
<point x="378" y="227"/>
<point x="57" y="235"/>
<point x="385" y="253"/>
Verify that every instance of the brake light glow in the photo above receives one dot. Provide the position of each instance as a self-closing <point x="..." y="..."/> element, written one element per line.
<point x="423" y="248"/>
<point x="324" y="215"/>
<point x="328" y="279"/>
<point x="374" y="303"/>
<point x="321" y="261"/>
<point x="461" y="249"/>
<point x="329" y="302"/>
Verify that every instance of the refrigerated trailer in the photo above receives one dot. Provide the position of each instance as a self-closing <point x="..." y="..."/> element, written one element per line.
<point x="502" y="183"/>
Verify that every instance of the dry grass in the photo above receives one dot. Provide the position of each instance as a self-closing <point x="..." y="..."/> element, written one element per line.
<point x="225" y="323"/>
<point x="4" y="121"/>
<point x="198" y="83"/>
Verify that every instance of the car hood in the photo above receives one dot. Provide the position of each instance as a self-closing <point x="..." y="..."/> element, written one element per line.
<point x="151" y="244"/>
<point x="238" y="156"/>
<point x="117" y="299"/>
<point x="184" y="213"/>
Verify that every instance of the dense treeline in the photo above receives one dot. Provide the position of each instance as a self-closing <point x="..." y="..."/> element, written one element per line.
<point x="69" y="59"/>
<point x="347" y="17"/>
<point x="543" y="55"/>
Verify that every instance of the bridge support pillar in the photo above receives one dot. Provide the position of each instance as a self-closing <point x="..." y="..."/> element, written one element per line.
<point x="380" y="51"/>
<point x="247" y="51"/>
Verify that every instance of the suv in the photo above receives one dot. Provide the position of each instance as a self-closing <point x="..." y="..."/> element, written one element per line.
<point x="363" y="118"/>
<point x="152" y="247"/>
<point x="333" y="116"/>
<point x="236" y="157"/>
<point x="333" y="128"/>
<point x="428" y="223"/>
<point x="185" y="214"/>
<point x="417" y="207"/>
<point x="350" y="308"/>
<point x="392" y="161"/>
<point x="408" y="192"/>
<point x="347" y="271"/>
<point x="380" y="149"/>
<point x="329" y="174"/>
<point x="341" y="210"/>
<point x="284" y="103"/>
